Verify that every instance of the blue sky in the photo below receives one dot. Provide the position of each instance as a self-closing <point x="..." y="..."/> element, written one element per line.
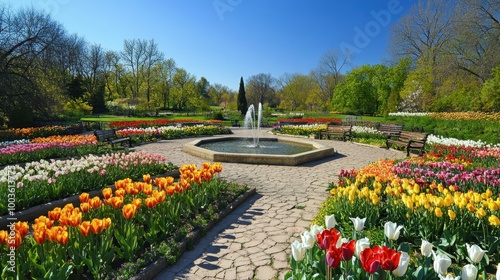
<point x="223" y="40"/>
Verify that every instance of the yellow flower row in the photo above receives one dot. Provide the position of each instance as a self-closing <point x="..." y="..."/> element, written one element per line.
<point x="468" y="116"/>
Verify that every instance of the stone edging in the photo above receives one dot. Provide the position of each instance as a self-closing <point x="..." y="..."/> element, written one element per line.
<point x="151" y="271"/>
<point x="34" y="212"/>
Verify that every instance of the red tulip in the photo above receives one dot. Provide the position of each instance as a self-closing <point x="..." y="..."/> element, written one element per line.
<point x="333" y="256"/>
<point x="328" y="237"/>
<point x="348" y="250"/>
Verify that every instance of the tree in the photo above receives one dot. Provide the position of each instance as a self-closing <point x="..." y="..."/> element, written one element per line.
<point x="166" y="71"/>
<point x="329" y="72"/>
<point x="261" y="89"/>
<point x="152" y="57"/>
<point x="28" y="41"/>
<point x="490" y="92"/>
<point x="133" y="55"/>
<point x="425" y="31"/>
<point x="242" y="100"/>
<point x="298" y="92"/>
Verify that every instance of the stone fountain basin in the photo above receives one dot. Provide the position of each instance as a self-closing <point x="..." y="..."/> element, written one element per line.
<point x="318" y="151"/>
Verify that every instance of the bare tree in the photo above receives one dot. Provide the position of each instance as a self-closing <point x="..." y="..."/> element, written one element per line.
<point x="152" y="57"/>
<point x="261" y="88"/>
<point x="329" y="72"/>
<point x="133" y="55"/>
<point x="425" y="31"/>
<point x="476" y="46"/>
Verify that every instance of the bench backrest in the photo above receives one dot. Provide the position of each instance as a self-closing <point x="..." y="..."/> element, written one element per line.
<point x="390" y="128"/>
<point x="105" y="135"/>
<point x="335" y="127"/>
<point x="415" y="136"/>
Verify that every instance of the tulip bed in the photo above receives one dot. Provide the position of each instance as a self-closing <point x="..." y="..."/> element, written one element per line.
<point x="47" y="147"/>
<point x="158" y="122"/>
<point x="448" y="199"/>
<point x="148" y="134"/>
<point x="43" y="181"/>
<point x="35" y="132"/>
<point x="114" y="237"/>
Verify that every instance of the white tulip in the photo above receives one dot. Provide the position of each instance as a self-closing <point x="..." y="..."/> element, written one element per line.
<point x="441" y="263"/>
<point x="404" y="260"/>
<point x="361" y="244"/>
<point x="426" y="248"/>
<point x="391" y="230"/>
<point x="448" y="277"/>
<point x="298" y="251"/>
<point x="315" y="229"/>
<point x="308" y="239"/>
<point x="330" y="221"/>
<point x="469" y="272"/>
<point x="359" y="224"/>
<point x="475" y="253"/>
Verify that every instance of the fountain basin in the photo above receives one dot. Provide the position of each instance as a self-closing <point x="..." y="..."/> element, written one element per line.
<point x="316" y="151"/>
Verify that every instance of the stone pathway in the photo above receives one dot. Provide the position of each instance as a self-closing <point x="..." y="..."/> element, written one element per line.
<point x="253" y="242"/>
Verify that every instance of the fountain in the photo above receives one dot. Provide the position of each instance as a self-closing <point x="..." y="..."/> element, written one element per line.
<point x="249" y="122"/>
<point x="257" y="150"/>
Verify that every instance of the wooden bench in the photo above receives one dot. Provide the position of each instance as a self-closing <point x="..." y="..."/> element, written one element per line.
<point x="409" y="140"/>
<point x="390" y="129"/>
<point x="338" y="131"/>
<point x="109" y="136"/>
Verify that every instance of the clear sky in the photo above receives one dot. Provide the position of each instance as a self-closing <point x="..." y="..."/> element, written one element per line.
<point x="224" y="40"/>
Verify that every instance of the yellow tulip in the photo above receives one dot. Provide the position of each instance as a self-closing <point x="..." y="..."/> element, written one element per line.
<point x="494" y="220"/>
<point x="451" y="214"/>
<point x="480" y="213"/>
<point x="438" y="212"/>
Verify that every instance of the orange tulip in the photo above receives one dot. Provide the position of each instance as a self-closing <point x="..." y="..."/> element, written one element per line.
<point x="131" y="189"/>
<point x="16" y="242"/>
<point x="22" y="228"/>
<point x="217" y="167"/>
<point x="129" y="211"/>
<point x="107" y="193"/>
<point x="116" y="201"/>
<point x="40" y="233"/>
<point x="96" y="226"/>
<point x="160" y="196"/>
<point x="120" y="192"/>
<point x="84" y="197"/>
<point x="63" y="237"/>
<point x="55" y="214"/>
<point x="85" y="206"/>
<point x="148" y="189"/>
<point x="95" y="202"/>
<point x="121" y="184"/>
<point x="169" y="180"/>
<point x="84" y="228"/>
<point x="4" y="236"/>
<point x="206" y="165"/>
<point x="146" y="178"/>
<point x="74" y="219"/>
<point x="137" y="202"/>
<point x="68" y="207"/>
<point x="171" y="189"/>
<point x="44" y="220"/>
<point x="150" y="202"/>
<point x="106" y="223"/>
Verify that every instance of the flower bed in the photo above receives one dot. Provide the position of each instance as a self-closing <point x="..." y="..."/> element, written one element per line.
<point x="48" y="147"/>
<point x="148" y="134"/>
<point x="156" y="123"/>
<point x="136" y="224"/>
<point x="34" y="132"/>
<point x="43" y="181"/>
<point x="449" y="197"/>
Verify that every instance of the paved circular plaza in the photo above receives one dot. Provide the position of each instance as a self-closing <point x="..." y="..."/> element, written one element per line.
<point x="253" y="242"/>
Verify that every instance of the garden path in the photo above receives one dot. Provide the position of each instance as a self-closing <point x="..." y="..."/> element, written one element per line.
<point x="253" y="242"/>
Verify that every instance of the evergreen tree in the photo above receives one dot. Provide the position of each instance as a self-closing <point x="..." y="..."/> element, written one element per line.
<point x="242" y="100"/>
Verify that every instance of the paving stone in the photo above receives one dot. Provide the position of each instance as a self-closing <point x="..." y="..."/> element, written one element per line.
<point x="265" y="272"/>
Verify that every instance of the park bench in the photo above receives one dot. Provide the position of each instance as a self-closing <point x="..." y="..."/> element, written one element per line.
<point x="109" y="136"/>
<point x="408" y="140"/>
<point x="390" y="129"/>
<point x="337" y="131"/>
